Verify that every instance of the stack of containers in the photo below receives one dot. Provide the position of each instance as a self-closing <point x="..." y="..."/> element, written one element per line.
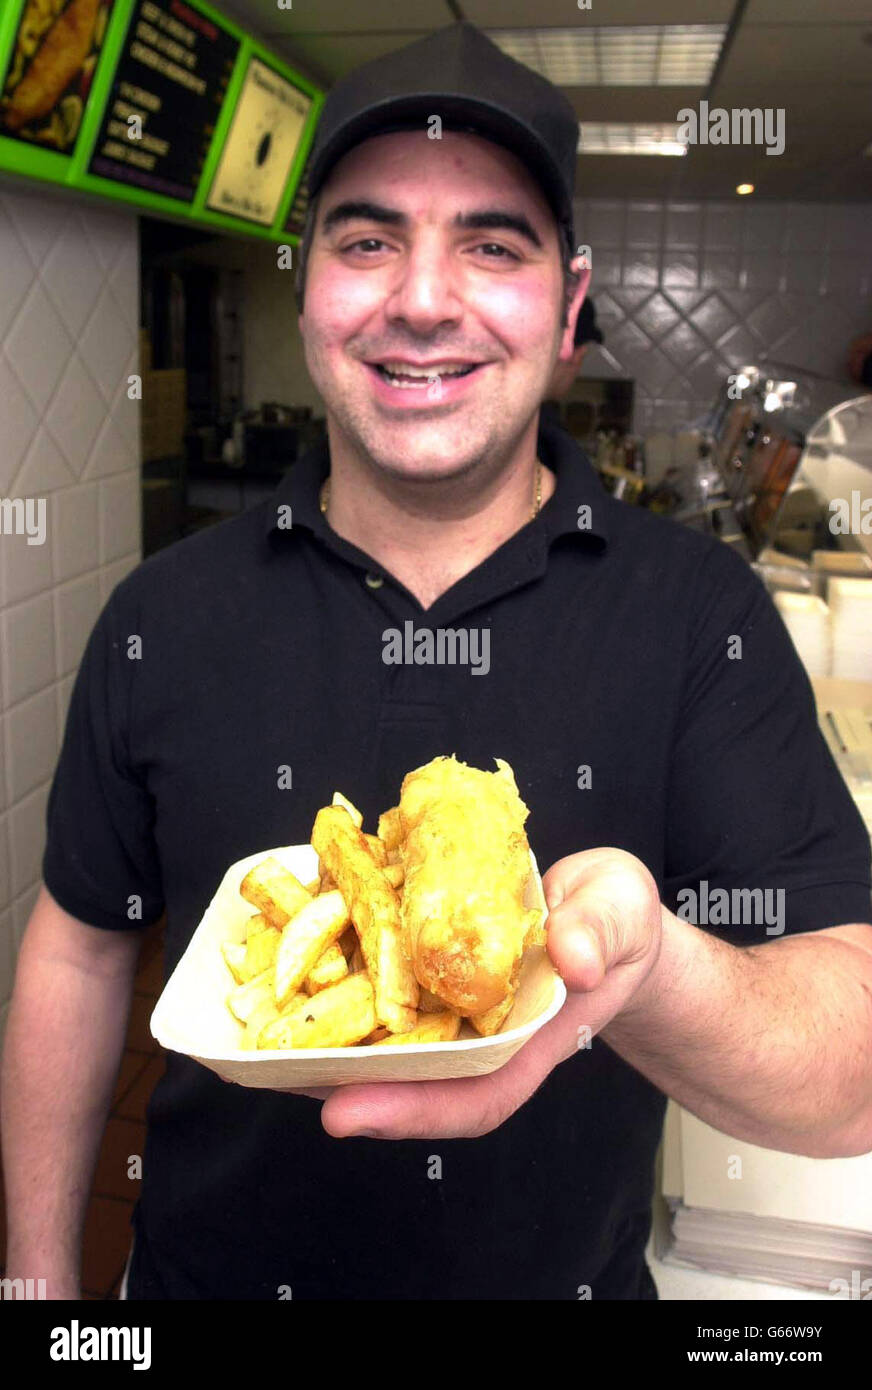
<point x="850" y="603"/>
<point x="807" y="619"/>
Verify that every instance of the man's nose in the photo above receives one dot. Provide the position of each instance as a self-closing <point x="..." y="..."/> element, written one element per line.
<point x="425" y="293"/>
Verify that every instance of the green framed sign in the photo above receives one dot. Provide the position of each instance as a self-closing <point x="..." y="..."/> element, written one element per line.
<point x="165" y="105"/>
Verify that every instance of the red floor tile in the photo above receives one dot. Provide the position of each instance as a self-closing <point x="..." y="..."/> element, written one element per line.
<point x="122" y="1139"/>
<point x="133" y="1064"/>
<point x="108" y="1235"/>
<point x="132" y="1107"/>
<point x="139" y="1037"/>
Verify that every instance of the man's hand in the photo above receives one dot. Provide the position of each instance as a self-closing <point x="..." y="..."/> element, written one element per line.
<point x="604" y="932"/>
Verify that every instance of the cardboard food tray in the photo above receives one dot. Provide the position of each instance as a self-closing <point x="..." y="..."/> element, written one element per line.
<point x="192" y="1016"/>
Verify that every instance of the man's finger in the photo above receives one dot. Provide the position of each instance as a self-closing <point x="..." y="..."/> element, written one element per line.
<point x="461" y="1109"/>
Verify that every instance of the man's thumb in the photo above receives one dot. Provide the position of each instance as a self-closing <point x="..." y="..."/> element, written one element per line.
<point x="575" y="949"/>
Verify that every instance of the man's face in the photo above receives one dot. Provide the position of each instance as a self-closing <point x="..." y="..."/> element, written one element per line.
<point x="433" y="301"/>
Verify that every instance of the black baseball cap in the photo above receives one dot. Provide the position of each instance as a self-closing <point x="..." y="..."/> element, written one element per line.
<point x="458" y="75"/>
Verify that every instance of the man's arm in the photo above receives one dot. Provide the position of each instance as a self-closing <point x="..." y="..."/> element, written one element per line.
<point x="64" y="1039"/>
<point x="769" y="1043"/>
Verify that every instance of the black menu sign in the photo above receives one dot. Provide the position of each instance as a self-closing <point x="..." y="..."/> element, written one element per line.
<point x="169" y="86"/>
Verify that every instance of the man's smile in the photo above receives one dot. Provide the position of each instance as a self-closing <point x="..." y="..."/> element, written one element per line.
<point x="431" y="382"/>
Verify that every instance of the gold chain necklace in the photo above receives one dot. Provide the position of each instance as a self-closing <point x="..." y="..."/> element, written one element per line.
<point x="324" y="496"/>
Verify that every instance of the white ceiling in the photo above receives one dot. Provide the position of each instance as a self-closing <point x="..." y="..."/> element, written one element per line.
<point x="813" y="58"/>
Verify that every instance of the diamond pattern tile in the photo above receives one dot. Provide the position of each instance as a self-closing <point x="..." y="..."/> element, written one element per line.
<point x="683" y="344"/>
<point x="113" y="450"/>
<point x="770" y="321"/>
<point x="657" y="315"/>
<point x="739" y="346"/>
<point x="69" y="307"/>
<point x="107" y="234"/>
<point x="38" y="347"/>
<point x="705" y="287"/>
<point x="124" y="280"/>
<point x="685" y="300"/>
<point x="74" y="416"/>
<point x="72" y="276"/>
<point x="712" y="318"/>
<point x="16" y="272"/>
<point x="630" y="300"/>
<point x="106" y="343"/>
<point x="39" y="222"/>
<point x="44" y="468"/>
<point x="18" y="422"/>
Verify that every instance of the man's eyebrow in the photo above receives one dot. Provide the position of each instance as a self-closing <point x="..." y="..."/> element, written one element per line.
<point x="487" y="220"/>
<point x="495" y="220"/>
<point x="362" y="210"/>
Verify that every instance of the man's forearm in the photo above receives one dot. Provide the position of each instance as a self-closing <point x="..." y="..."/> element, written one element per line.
<point x="771" y="1043"/>
<point x="64" y="1039"/>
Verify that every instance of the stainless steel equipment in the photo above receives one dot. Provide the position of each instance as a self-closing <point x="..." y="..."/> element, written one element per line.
<point x="784" y="444"/>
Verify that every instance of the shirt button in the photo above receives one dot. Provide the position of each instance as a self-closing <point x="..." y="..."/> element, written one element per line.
<point x="374" y="581"/>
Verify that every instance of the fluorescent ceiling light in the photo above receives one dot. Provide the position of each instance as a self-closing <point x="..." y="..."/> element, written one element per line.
<point x="617" y="137"/>
<point x="650" y="55"/>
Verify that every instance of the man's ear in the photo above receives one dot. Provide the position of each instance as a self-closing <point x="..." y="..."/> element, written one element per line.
<point x="567" y="342"/>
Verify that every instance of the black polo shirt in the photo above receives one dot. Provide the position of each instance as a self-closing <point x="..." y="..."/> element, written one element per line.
<point x="262" y="648"/>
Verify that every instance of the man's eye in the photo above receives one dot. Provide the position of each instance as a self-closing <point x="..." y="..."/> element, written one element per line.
<point x="366" y="244"/>
<point x="502" y="252"/>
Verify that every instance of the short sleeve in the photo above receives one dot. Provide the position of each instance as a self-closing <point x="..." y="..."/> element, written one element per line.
<point x="755" y="800"/>
<point x="100" y="855"/>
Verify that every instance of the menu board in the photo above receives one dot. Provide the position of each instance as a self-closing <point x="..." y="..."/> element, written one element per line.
<point x="260" y="148"/>
<point x="164" y="106"/>
<point x="54" y="53"/>
<point x="166" y="95"/>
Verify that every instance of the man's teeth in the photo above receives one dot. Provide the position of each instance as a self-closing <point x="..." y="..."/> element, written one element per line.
<point x="403" y="374"/>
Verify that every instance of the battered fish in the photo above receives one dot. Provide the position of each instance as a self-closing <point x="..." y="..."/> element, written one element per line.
<point x="467" y="862"/>
<point x="54" y="65"/>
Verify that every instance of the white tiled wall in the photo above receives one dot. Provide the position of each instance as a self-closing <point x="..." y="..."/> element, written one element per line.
<point x="69" y="314"/>
<point x="687" y="292"/>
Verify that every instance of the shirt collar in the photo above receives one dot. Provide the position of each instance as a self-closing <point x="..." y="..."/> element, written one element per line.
<point x="578" y="506"/>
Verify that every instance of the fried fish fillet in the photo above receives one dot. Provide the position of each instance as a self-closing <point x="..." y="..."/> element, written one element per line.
<point x="54" y="65"/>
<point x="466" y="861"/>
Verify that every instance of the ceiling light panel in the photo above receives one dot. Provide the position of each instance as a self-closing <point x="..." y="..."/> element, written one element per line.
<point x="619" y="137"/>
<point x="650" y="55"/>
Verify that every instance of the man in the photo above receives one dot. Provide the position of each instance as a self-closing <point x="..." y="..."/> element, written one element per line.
<point x="440" y="286"/>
